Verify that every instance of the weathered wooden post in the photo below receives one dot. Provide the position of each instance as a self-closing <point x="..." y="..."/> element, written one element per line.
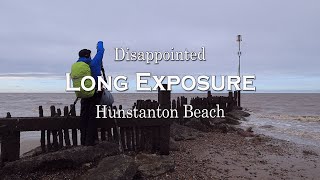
<point x="66" y="131"/>
<point x="8" y="115"/>
<point x="109" y="130"/>
<point x="60" y="133"/>
<point x="164" y="139"/>
<point x="129" y="138"/>
<point x="235" y="97"/>
<point x="116" y="130"/>
<point x="49" y="145"/>
<point x="239" y="99"/>
<point x="164" y="99"/>
<point x="184" y="101"/>
<point x="2" y="129"/>
<point x="103" y="134"/>
<point x="54" y="132"/>
<point x="43" y="133"/>
<point x="174" y="104"/>
<point x="10" y="145"/>
<point x="74" y="131"/>
<point x="179" y="109"/>
<point x="230" y="101"/>
<point x="220" y="101"/>
<point x="137" y="138"/>
<point x="122" y="137"/>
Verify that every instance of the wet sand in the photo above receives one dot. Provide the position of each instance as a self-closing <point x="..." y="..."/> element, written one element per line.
<point x="231" y="156"/>
<point x="28" y="145"/>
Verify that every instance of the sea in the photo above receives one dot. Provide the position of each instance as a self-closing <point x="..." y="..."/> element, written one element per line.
<point x="287" y="116"/>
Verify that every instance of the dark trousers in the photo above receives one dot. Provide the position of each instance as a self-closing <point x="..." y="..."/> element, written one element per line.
<point x="88" y="119"/>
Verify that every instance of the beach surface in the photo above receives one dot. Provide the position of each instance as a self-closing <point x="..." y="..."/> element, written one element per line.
<point x="218" y="155"/>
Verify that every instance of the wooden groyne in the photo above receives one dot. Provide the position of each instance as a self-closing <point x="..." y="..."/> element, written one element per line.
<point x="132" y="134"/>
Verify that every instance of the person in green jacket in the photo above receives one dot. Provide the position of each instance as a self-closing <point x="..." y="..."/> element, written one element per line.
<point x="88" y="105"/>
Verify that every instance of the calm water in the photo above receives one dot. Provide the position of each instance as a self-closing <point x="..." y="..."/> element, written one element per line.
<point x="293" y="117"/>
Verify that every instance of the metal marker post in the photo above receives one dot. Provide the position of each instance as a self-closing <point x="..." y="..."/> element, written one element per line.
<point x="239" y="39"/>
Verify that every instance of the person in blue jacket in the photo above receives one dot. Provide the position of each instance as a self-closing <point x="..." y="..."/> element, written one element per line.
<point x="88" y="105"/>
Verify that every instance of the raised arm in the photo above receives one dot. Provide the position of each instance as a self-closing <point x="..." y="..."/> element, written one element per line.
<point x="97" y="60"/>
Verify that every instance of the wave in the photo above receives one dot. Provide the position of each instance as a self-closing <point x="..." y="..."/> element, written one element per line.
<point x="53" y="103"/>
<point x="291" y="117"/>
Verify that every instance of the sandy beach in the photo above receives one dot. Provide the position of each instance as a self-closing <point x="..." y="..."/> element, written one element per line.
<point x="230" y="156"/>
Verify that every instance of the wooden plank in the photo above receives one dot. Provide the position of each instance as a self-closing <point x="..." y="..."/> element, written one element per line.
<point x="148" y="138"/>
<point x="109" y="130"/>
<point x="66" y="131"/>
<point x="49" y="145"/>
<point x="137" y="142"/>
<point x="122" y="138"/>
<point x="3" y="129"/>
<point x="43" y="133"/>
<point x="129" y="138"/>
<point x="174" y="104"/>
<point x="153" y="138"/>
<point x="133" y="137"/>
<point x="115" y="129"/>
<point x="165" y="139"/>
<point x="40" y="123"/>
<point x="235" y="97"/>
<point x="54" y="132"/>
<point x="142" y="139"/>
<point x="54" y="123"/>
<point x="156" y="138"/>
<point x="60" y="133"/>
<point x="164" y="97"/>
<point x="74" y="135"/>
<point x="115" y="134"/>
<point x="6" y="125"/>
<point x="239" y="98"/>
<point x="103" y="134"/>
<point x="10" y="145"/>
<point x="74" y="131"/>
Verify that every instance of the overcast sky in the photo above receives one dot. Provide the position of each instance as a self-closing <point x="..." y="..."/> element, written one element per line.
<point x="39" y="40"/>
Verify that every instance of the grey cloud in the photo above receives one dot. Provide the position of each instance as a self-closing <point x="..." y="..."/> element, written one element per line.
<point x="281" y="38"/>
